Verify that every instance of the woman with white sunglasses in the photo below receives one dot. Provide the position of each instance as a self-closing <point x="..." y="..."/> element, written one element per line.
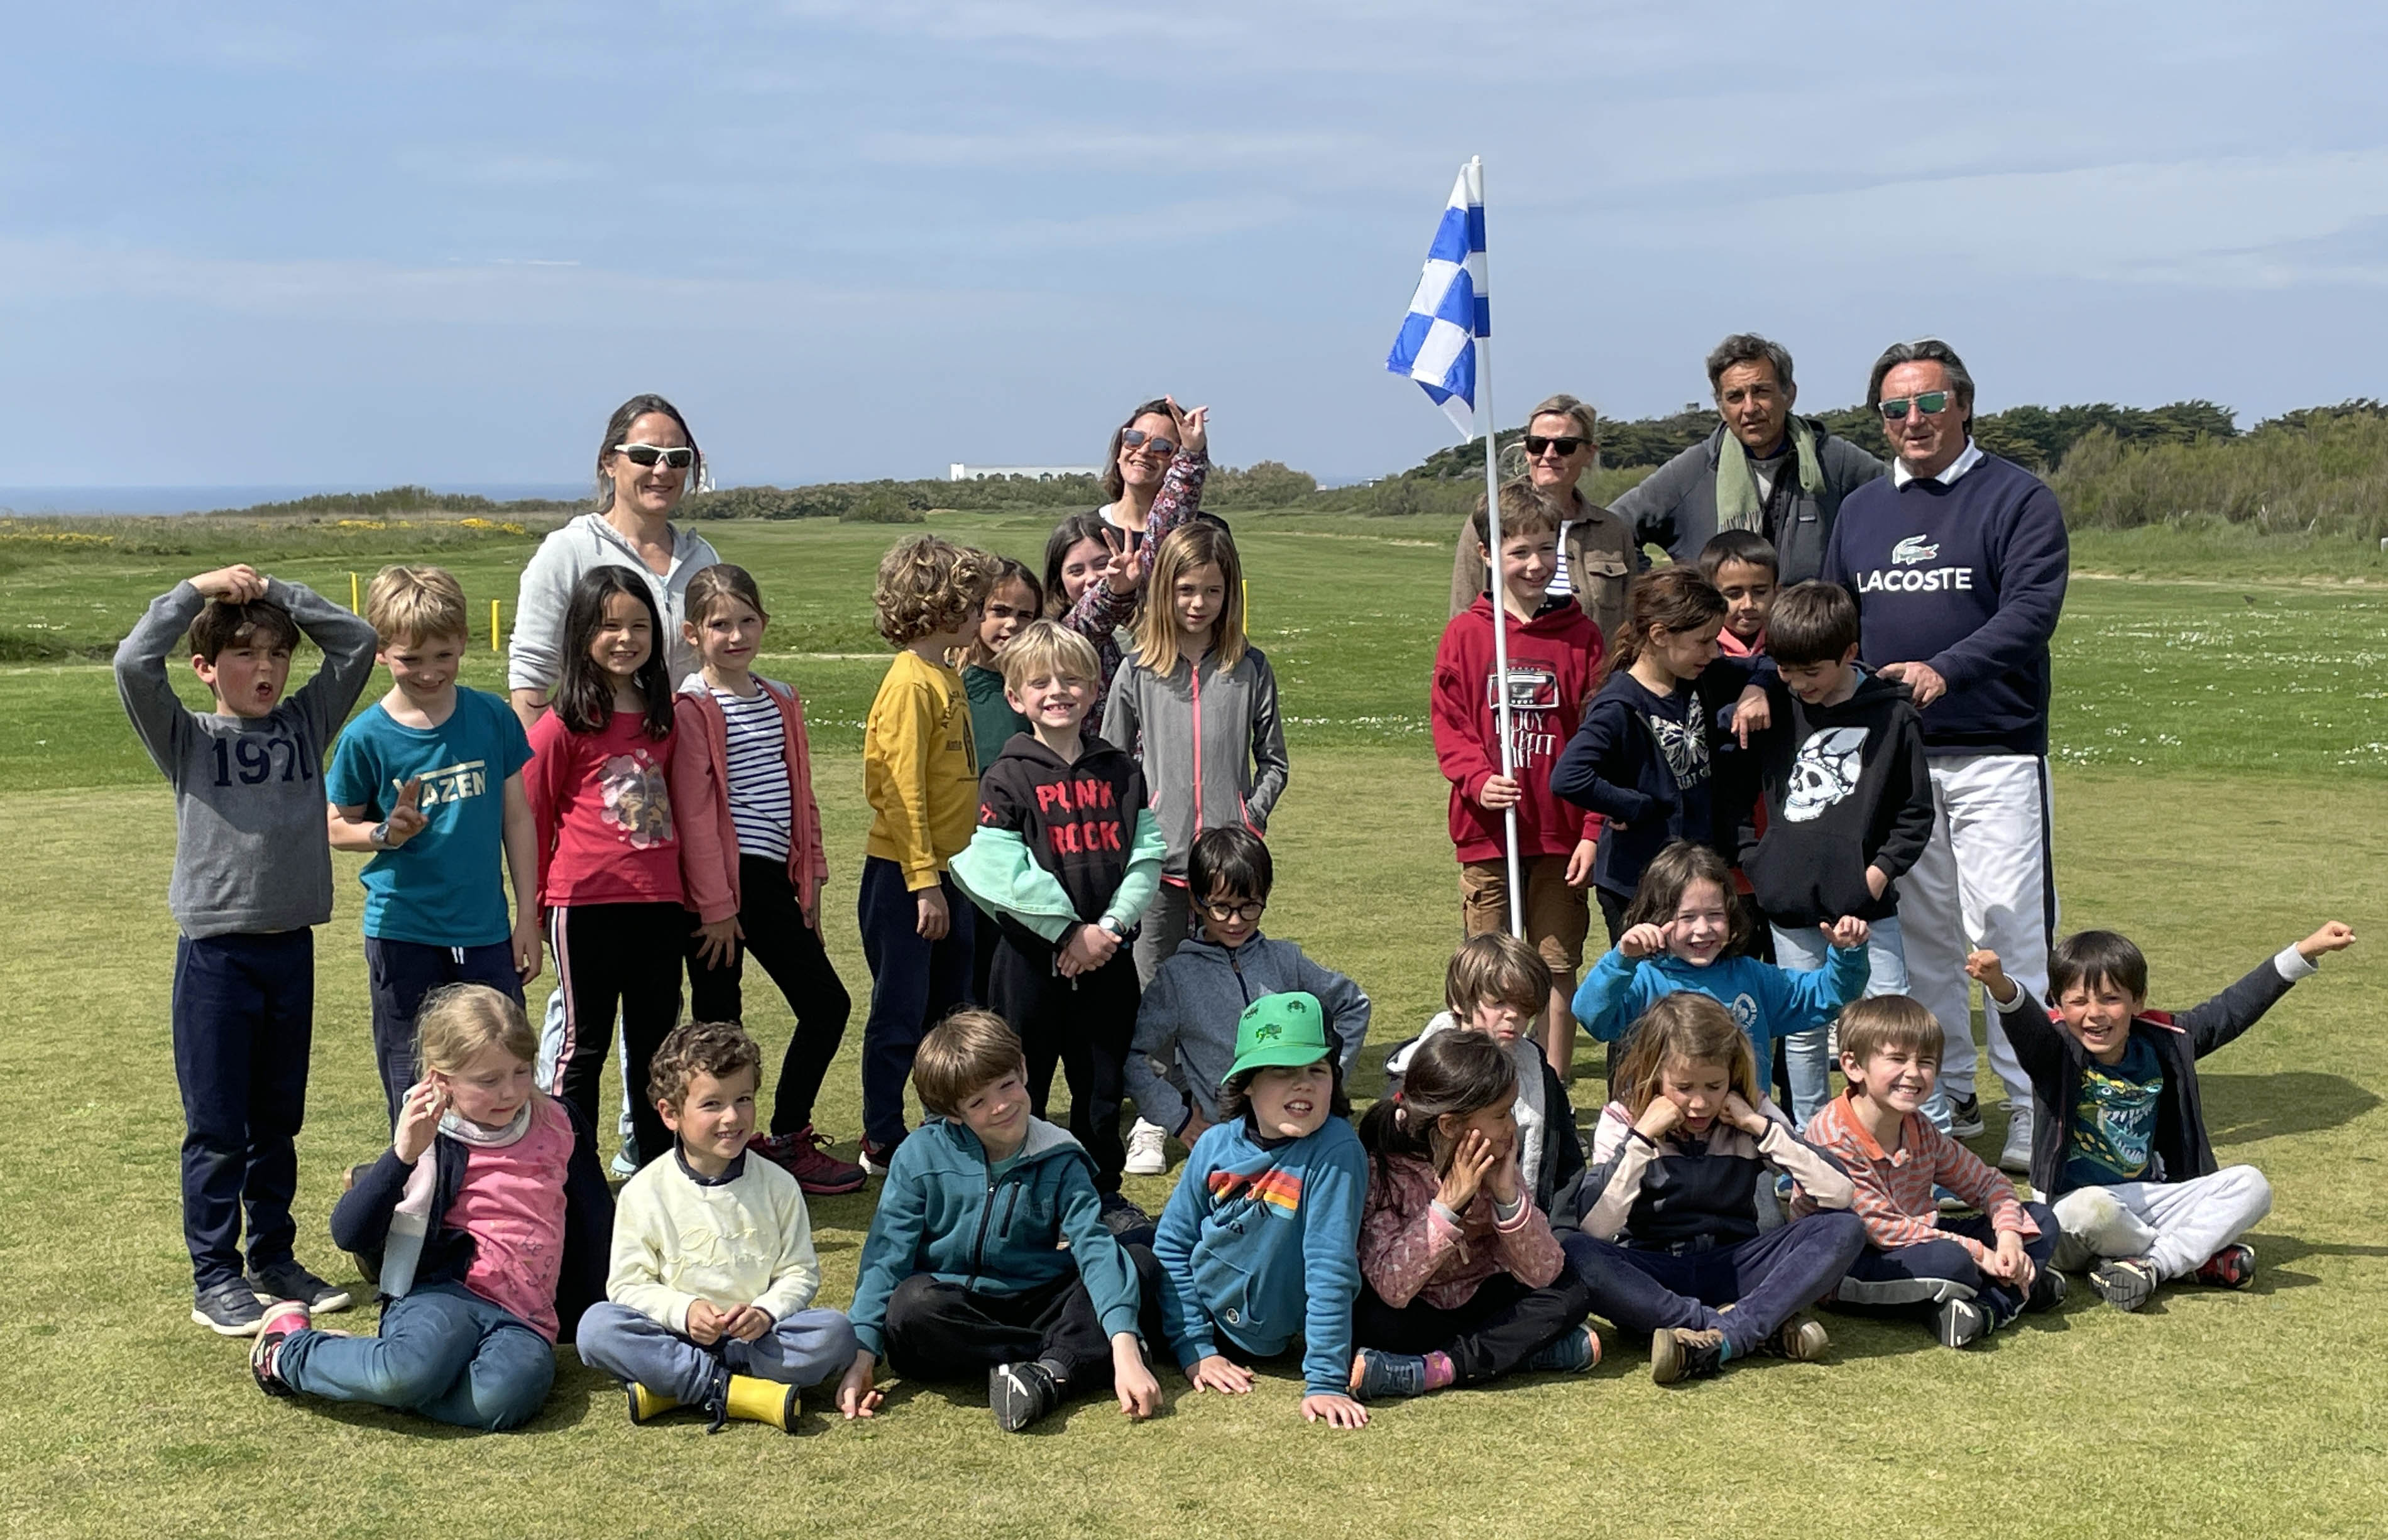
<point x="645" y="464"/>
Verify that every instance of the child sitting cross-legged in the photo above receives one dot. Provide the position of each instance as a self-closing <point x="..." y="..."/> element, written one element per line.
<point x="486" y="1222"/>
<point x="1495" y="985"/>
<point x="709" y="1301"/>
<point x="1669" y="1240"/>
<point x="1258" y="1243"/>
<point x="1462" y="1280"/>
<point x="1974" y="1274"/>
<point x="2119" y="1147"/>
<point x="988" y="1254"/>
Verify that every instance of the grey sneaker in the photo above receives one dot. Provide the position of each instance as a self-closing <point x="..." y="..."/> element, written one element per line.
<point x="290" y="1281"/>
<point x="1019" y="1394"/>
<point x="2124" y="1282"/>
<point x="1802" y="1339"/>
<point x="229" y="1309"/>
<point x="1678" y="1353"/>
<point x="1965" y="1117"/>
<point x="1962" y="1323"/>
<point x="2014" y="1156"/>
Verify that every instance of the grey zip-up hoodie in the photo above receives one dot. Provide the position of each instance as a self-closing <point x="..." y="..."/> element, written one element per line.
<point x="250" y="853"/>
<point x="1675" y="505"/>
<point x="1187" y="1020"/>
<point x="1210" y="743"/>
<point x="535" y="651"/>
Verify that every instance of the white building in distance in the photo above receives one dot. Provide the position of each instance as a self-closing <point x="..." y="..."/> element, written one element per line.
<point x="958" y="471"/>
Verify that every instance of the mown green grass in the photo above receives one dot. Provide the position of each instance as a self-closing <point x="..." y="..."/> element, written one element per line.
<point x="2212" y="1413"/>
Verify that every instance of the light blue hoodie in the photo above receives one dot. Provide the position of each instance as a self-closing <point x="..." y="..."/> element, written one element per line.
<point x="1769" y="1002"/>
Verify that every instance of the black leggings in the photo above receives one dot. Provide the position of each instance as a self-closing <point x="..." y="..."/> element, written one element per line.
<point x="608" y="955"/>
<point x="791" y="952"/>
<point x="1499" y="1327"/>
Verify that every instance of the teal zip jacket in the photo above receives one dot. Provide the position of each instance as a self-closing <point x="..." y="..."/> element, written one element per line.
<point x="942" y="1213"/>
<point x="1769" y="1002"/>
<point x="1261" y="1243"/>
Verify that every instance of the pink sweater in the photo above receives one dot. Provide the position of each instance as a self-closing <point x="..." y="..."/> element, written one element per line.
<point x="512" y="1205"/>
<point x="1408" y="1250"/>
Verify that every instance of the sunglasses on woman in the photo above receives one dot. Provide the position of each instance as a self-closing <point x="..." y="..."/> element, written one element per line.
<point x="1137" y="439"/>
<point x="648" y="454"/>
<point x="1932" y="403"/>
<point x="1537" y="446"/>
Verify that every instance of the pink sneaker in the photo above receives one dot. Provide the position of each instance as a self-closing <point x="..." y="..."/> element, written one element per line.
<point x="282" y="1318"/>
<point x="804" y="1156"/>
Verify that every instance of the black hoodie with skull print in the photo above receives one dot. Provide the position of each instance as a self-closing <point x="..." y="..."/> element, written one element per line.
<point x="1845" y="788"/>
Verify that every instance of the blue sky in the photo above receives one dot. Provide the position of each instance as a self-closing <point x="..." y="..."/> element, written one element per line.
<point x="309" y="243"/>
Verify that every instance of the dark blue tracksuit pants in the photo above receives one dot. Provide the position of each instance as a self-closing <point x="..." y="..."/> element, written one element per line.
<point x="399" y="974"/>
<point x="913" y="983"/>
<point x="1929" y="1273"/>
<point x="243" y="1023"/>
<point x="1765" y="1278"/>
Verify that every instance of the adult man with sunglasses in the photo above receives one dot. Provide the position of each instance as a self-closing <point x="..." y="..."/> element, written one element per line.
<point x="1958" y="560"/>
<point x="1763" y="469"/>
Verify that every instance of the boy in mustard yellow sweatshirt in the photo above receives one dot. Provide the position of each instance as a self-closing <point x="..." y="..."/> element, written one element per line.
<point x="920" y="769"/>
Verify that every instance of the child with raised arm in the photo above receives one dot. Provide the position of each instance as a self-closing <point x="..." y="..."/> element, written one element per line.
<point x="709" y="1301"/>
<point x="1496" y="985"/>
<point x="485" y="1223"/>
<point x="1684" y="932"/>
<point x="429" y="779"/>
<point x="753" y="864"/>
<point x="252" y="878"/>
<point x="1197" y="706"/>
<point x="1667" y="1232"/>
<point x="1065" y="860"/>
<point x="2120" y="1149"/>
<point x="1848" y="808"/>
<point x="1461" y="1279"/>
<point x="1185" y="1025"/>
<point x="988" y="1254"/>
<point x="1971" y="1275"/>
<point x="920" y="772"/>
<point x="1259" y="1243"/>
<point x="1553" y="653"/>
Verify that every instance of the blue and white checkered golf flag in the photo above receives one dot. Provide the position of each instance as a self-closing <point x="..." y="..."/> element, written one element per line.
<point x="1450" y="311"/>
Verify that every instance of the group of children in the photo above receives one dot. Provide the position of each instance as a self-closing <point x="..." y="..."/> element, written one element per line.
<point x="1086" y="894"/>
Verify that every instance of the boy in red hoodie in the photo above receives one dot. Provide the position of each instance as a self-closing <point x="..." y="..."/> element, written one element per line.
<point x="1555" y="652"/>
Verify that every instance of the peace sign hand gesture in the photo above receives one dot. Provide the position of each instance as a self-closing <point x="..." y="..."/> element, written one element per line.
<point x="1125" y="570"/>
<point x="1193" y="427"/>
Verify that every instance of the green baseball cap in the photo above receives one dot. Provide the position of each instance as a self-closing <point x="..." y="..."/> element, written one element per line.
<point x="1287" y="1030"/>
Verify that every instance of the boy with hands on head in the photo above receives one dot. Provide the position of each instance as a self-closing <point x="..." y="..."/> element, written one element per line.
<point x="2119" y="1147"/>
<point x="709" y="1300"/>
<point x="252" y="878"/>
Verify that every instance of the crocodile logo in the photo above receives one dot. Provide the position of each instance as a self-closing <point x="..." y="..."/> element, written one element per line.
<point x="1914" y="549"/>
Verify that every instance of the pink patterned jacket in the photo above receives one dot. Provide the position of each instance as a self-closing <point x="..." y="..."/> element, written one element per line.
<point x="1411" y="1249"/>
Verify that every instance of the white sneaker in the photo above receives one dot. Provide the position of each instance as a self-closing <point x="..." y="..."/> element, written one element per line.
<point x="1148" y="1155"/>
<point x="2015" y="1156"/>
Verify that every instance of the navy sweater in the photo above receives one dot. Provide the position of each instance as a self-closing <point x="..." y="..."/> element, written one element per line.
<point x="1643" y="761"/>
<point x="1968" y="577"/>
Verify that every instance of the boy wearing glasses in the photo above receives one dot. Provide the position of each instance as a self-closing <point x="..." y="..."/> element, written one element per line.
<point x="1185" y="1028"/>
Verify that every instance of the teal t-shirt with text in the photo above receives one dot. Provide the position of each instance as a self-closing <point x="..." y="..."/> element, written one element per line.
<point x="444" y="887"/>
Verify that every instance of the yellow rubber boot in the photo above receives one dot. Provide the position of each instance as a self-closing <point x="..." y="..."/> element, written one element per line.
<point x="646" y="1405"/>
<point x="754" y="1400"/>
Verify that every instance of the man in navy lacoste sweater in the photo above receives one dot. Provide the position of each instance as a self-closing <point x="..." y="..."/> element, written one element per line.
<point x="1958" y="561"/>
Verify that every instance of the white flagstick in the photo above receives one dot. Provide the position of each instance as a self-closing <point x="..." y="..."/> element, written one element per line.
<point x="1484" y="422"/>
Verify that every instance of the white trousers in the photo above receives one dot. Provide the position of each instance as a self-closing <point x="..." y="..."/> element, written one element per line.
<point x="2176" y="1224"/>
<point x="1985" y="880"/>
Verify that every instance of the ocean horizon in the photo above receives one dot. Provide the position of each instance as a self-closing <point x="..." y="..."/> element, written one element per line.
<point x="202" y="499"/>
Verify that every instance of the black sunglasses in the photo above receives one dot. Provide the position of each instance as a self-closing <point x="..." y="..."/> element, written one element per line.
<point x="1137" y="439"/>
<point x="647" y="454"/>
<point x="1932" y="403"/>
<point x="1537" y="446"/>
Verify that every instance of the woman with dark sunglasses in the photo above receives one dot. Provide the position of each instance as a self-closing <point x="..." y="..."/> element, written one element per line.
<point x="1597" y="548"/>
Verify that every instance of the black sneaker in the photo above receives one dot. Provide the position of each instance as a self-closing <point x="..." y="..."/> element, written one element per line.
<point x="1020" y="1394"/>
<point x="2048" y="1290"/>
<point x="1125" y="1221"/>
<point x="229" y="1309"/>
<point x="1677" y="1353"/>
<point x="1378" y="1375"/>
<point x="290" y="1281"/>
<point x="1965" y="1117"/>
<point x="2126" y="1282"/>
<point x="1961" y="1323"/>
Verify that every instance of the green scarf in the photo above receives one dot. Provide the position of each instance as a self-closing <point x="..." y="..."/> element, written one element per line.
<point x="1738" y="505"/>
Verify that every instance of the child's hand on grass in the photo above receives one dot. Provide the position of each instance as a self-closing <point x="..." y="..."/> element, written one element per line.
<point x="1499" y="793"/>
<point x="1336" y="1411"/>
<point x="1982" y="966"/>
<point x="237" y="585"/>
<point x="2333" y="937"/>
<point x="1643" y="940"/>
<point x="418" y="1119"/>
<point x="1742" y="1116"/>
<point x="1222" y="1374"/>
<point x="856" y="1397"/>
<point x="747" y="1323"/>
<point x="717" y="942"/>
<point x="1132" y="1381"/>
<point x="705" y="1323"/>
<point x="934" y="921"/>
<point x="1849" y="932"/>
<point x="1470" y="1164"/>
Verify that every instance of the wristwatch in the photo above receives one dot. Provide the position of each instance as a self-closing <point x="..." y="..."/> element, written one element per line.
<point x="1112" y="928"/>
<point x="380" y="835"/>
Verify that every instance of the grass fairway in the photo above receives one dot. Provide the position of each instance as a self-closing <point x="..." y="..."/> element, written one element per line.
<point x="2221" y="776"/>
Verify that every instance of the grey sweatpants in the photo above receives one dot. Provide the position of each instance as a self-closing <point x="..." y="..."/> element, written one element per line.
<point x="2176" y="1224"/>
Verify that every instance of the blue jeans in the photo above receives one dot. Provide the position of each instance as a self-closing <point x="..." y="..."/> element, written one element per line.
<point x="244" y="1022"/>
<point x="444" y="1353"/>
<point x="805" y="1349"/>
<point x="913" y="983"/>
<point x="399" y="974"/>
<point x="1808" y="1054"/>
<point x="1765" y="1279"/>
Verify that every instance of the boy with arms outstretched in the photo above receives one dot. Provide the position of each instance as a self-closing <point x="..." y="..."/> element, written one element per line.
<point x="429" y="779"/>
<point x="2118" y="1144"/>
<point x="252" y="877"/>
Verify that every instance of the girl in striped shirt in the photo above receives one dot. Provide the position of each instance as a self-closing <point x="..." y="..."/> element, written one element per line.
<point x="752" y="861"/>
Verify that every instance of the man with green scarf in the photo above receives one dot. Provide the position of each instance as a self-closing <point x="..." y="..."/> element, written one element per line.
<point x="1763" y="469"/>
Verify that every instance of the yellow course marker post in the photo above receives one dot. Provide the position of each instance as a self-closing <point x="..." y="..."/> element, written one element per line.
<point x="354" y="600"/>
<point x="493" y="626"/>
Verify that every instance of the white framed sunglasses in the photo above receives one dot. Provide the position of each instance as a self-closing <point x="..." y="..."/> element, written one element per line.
<point x="679" y="459"/>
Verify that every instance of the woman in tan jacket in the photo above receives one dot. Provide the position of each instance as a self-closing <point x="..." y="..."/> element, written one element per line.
<point x="1597" y="543"/>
